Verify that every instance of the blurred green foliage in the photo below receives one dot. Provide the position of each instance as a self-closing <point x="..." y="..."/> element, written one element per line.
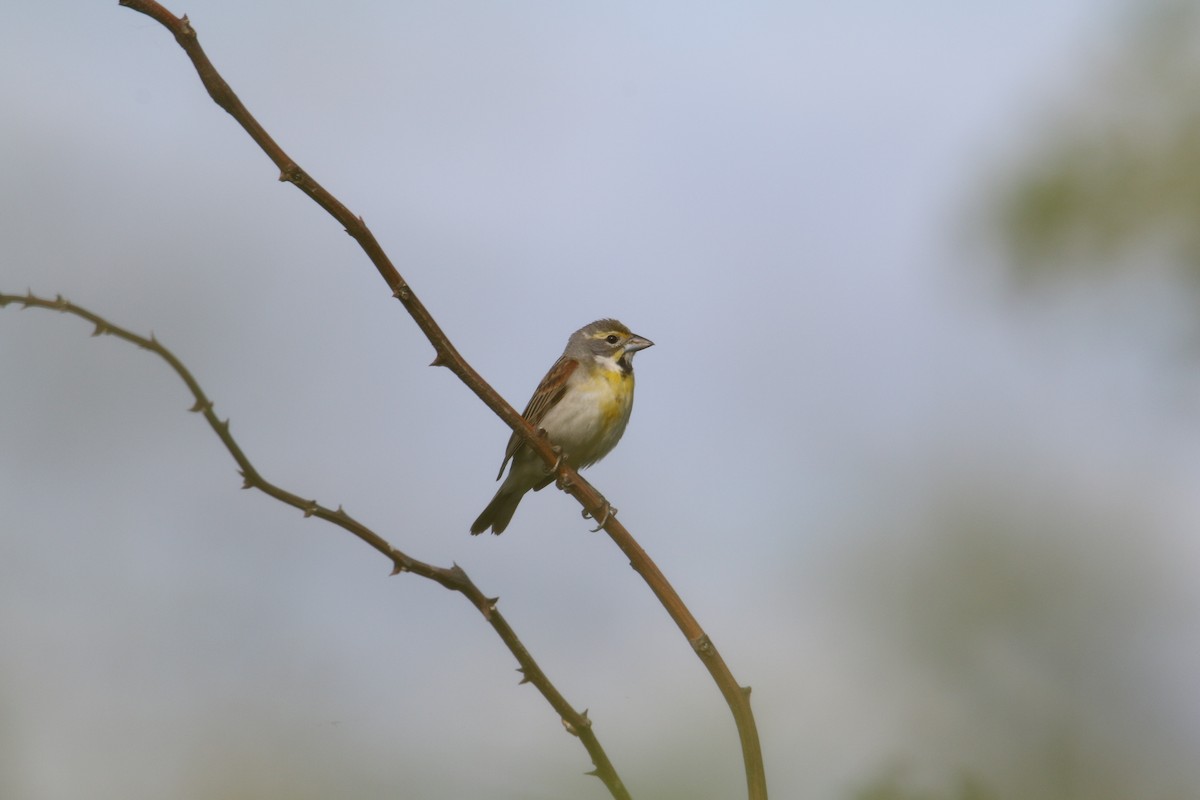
<point x="893" y="785"/>
<point x="1116" y="179"/>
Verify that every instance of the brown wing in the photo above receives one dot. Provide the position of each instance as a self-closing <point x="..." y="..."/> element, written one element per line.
<point x="548" y="392"/>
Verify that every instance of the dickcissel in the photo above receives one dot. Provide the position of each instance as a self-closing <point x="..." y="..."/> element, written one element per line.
<point x="583" y="406"/>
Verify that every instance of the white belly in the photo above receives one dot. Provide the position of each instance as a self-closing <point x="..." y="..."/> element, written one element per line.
<point x="588" y="422"/>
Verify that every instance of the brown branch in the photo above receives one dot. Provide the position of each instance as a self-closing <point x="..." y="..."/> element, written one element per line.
<point x="453" y="578"/>
<point x="593" y="502"/>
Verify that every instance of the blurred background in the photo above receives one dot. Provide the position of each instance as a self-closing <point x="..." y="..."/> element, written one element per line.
<point x="918" y="441"/>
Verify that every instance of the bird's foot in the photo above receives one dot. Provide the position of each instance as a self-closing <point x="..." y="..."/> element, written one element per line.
<point x="609" y="511"/>
<point x="558" y="461"/>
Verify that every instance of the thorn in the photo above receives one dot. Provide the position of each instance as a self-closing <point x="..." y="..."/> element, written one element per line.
<point x="745" y="690"/>
<point x="290" y="173"/>
<point x="246" y="482"/>
<point x="223" y="424"/>
<point x="101" y="329"/>
<point x="595" y="773"/>
<point x="524" y="676"/>
<point x="398" y="567"/>
<point x="488" y="607"/>
<point x="60" y="302"/>
<point x="437" y="361"/>
<point x="201" y="405"/>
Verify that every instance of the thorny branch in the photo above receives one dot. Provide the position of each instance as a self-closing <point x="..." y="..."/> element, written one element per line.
<point x="453" y="578"/>
<point x="594" y="504"/>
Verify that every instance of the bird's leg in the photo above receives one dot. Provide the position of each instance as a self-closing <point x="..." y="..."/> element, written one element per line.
<point x="557" y="451"/>
<point x="609" y="511"/>
<point x="557" y="462"/>
<point x="563" y="482"/>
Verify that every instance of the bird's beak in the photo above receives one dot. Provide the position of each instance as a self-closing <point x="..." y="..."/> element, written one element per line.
<point x="635" y="343"/>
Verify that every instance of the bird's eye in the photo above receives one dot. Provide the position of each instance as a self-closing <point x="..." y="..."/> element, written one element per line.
<point x="612" y="338"/>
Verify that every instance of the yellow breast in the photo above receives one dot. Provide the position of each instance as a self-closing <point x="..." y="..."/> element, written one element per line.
<point x="591" y="417"/>
<point x="617" y="400"/>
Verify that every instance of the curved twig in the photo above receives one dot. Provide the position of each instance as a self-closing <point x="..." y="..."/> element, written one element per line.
<point x="737" y="696"/>
<point x="453" y="578"/>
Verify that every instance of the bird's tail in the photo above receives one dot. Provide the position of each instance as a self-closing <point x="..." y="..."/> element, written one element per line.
<point x="500" y="511"/>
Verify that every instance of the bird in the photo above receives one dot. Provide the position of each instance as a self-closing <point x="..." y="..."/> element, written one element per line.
<point x="582" y="406"/>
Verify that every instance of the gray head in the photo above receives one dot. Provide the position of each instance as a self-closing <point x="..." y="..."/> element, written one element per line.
<point x="606" y="340"/>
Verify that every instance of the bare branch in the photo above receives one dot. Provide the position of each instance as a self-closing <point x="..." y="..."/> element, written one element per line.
<point x="453" y="578"/>
<point x="448" y="356"/>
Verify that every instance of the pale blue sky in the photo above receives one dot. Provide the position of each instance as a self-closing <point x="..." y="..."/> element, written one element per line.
<point x="781" y="195"/>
